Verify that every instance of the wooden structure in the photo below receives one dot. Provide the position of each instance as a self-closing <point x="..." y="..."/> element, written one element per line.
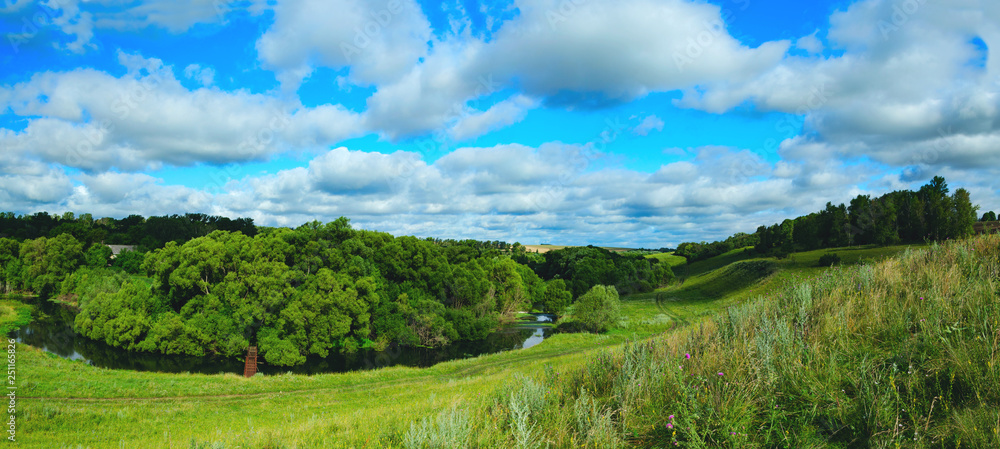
<point x="251" y="366"/>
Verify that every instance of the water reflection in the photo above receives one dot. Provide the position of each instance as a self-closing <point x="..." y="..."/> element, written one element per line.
<point x="54" y="333"/>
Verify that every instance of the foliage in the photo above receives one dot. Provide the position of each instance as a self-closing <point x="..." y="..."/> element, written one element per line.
<point x="98" y="256"/>
<point x="129" y="261"/>
<point x="556" y="297"/>
<point x="451" y="429"/>
<point x="896" y="217"/>
<point x="598" y="309"/>
<point x="584" y="267"/>
<point x="150" y="233"/>
<point x="46" y="261"/>
<point x="298" y="293"/>
<point x="694" y="252"/>
<point x="829" y="260"/>
<point x="901" y="216"/>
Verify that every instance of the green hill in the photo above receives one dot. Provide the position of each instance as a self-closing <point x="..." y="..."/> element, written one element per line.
<point x="897" y="353"/>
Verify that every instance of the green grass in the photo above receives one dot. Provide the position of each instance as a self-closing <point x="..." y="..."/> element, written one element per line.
<point x="781" y="350"/>
<point x="668" y="258"/>
<point x="66" y="403"/>
<point x="13" y="314"/>
<point x="901" y="352"/>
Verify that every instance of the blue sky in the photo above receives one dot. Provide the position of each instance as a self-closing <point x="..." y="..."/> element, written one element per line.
<point x="625" y="122"/>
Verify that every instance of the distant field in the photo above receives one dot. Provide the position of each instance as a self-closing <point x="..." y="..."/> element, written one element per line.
<point x="542" y="249"/>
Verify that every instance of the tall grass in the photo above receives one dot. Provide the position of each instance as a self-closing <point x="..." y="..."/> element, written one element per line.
<point x="896" y="353"/>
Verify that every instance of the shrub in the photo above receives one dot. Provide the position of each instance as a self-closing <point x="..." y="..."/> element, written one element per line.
<point x="598" y="309"/>
<point x="450" y="430"/>
<point x="828" y="260"/>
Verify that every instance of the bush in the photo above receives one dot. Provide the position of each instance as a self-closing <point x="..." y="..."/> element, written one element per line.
<point x="450" y="430"/>
<point x="556" y="297"/>
<point x="829" y="260"/>
<point x="598" y="309"/>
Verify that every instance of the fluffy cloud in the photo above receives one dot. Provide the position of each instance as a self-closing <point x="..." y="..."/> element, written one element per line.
<point x="24" y="184"/>
<point x="914" y="86"/>
<point x="498" y="116"/>
<point x="597" y="54"/>
<point x="205" y="76"/>
<point x="648" y="124"/>
<point x="78" y="20"/>
<point x="144" y="119"/>
<point x="509" y="192"/>
<point x="610" y="51"/>
<point x="380" y="41"/>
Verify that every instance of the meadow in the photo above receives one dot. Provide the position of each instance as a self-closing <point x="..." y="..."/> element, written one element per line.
<point x="894" y="348"/>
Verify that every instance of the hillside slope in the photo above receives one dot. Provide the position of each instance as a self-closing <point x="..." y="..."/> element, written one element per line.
<point x="897" y="353"/>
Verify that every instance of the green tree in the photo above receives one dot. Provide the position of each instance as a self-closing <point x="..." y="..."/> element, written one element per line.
<point x="963" y="215"/>
<point x="10" y="264"/>
<point x="47" y="261"/>
<point x="557" y="297"/>
<point x="938" y="208"/>
<point x="98" y="256"/>
<point x="598" y="309"/>
<point x="129" y="261"/>
<point x="885" y="227"/>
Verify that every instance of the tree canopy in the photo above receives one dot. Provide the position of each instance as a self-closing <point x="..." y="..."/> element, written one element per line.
<point x="581" y="268"/>
<point x="294" y="293"/>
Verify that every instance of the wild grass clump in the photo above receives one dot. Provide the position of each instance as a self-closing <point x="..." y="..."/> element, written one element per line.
<point x="451" y="429"/>
<point x="897" y="353"/>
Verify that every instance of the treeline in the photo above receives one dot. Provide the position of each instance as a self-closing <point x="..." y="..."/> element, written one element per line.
<point x="41" y="265"/>
<point x="928" y="214"/>
<point x="701" y="251"/>
<point x="293" y="293"/>
<point x="145" y="233"/>
<point x="581" y="268"/>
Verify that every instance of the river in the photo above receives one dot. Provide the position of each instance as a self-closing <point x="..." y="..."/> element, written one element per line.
<point x="53" y="332"/>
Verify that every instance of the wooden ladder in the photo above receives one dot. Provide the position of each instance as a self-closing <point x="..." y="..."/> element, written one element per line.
<point x="251" y="366"/>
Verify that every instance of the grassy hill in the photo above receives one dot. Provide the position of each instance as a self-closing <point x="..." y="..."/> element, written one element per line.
<point x="896" y="348"/>
<point x="669" y="259"/>
<point x="901" y="352"/>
